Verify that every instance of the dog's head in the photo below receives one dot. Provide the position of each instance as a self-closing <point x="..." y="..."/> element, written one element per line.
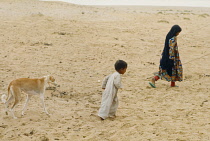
<point x="51" y="80"/>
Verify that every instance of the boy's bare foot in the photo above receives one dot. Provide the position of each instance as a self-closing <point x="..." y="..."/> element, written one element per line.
<point x="114" y="116"/>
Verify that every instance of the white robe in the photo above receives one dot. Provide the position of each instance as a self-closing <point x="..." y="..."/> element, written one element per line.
<point x="109" y="103"/>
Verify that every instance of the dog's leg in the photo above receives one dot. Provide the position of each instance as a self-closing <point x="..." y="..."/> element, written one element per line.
<point x="43" y="104"/>
<point x="7" y="104"/>
<point x="12" y="109"/>
<point x="27" y="99"/>
<point x="16" y="93"/>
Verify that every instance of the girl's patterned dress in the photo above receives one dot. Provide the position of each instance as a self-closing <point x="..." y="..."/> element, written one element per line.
<point x="177" y="68"/>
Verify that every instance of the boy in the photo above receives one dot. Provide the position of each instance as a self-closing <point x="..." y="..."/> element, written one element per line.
<point x="111" y="84"/>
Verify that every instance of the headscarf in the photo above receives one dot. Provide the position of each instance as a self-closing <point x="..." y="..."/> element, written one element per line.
<point x="165" y="62"/>
<point x="174" y="29"/>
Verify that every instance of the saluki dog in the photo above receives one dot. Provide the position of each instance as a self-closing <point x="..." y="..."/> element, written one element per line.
<point x="31" y="87"/>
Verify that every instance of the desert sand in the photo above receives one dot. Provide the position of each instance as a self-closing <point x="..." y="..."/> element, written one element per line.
<point x="79" y="45"/>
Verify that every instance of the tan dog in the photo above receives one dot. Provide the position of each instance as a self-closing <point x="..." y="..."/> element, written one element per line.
<point x="30" y="87"/>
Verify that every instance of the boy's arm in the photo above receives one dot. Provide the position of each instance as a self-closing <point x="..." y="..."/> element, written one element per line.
<point x="105" y="81"/>
<point x="117" y="82"/>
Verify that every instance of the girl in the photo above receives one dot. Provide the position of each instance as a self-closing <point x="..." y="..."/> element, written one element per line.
<point x="170" y="68"/>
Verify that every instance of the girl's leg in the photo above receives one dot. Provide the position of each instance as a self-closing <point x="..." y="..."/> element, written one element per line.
<point x="152" y="83"/>
<point x="156" y="78"/>
<point x="165" y="75"/>
<point x="173" y="84"/>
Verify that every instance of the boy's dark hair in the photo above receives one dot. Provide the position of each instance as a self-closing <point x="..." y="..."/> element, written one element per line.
<point x="120" y="64"/>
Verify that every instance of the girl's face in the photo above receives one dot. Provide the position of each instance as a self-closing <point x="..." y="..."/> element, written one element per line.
<point x="177" y="33"/>
<point x="122" y="71"/>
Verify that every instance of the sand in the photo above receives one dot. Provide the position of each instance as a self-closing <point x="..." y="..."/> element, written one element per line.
<point x="79" y="45"/>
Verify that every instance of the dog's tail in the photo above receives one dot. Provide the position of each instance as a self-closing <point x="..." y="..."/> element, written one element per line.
<point x="3" y="98"/>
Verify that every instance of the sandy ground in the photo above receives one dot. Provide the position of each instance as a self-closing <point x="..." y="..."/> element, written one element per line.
<point x="79" y="45"/>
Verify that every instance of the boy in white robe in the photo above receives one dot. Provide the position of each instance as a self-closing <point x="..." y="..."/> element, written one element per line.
<point x="111" y="84"/>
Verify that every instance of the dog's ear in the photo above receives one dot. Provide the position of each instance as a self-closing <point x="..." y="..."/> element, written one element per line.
<point x="46" y="77"/>
<point x="51" y="78"/>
